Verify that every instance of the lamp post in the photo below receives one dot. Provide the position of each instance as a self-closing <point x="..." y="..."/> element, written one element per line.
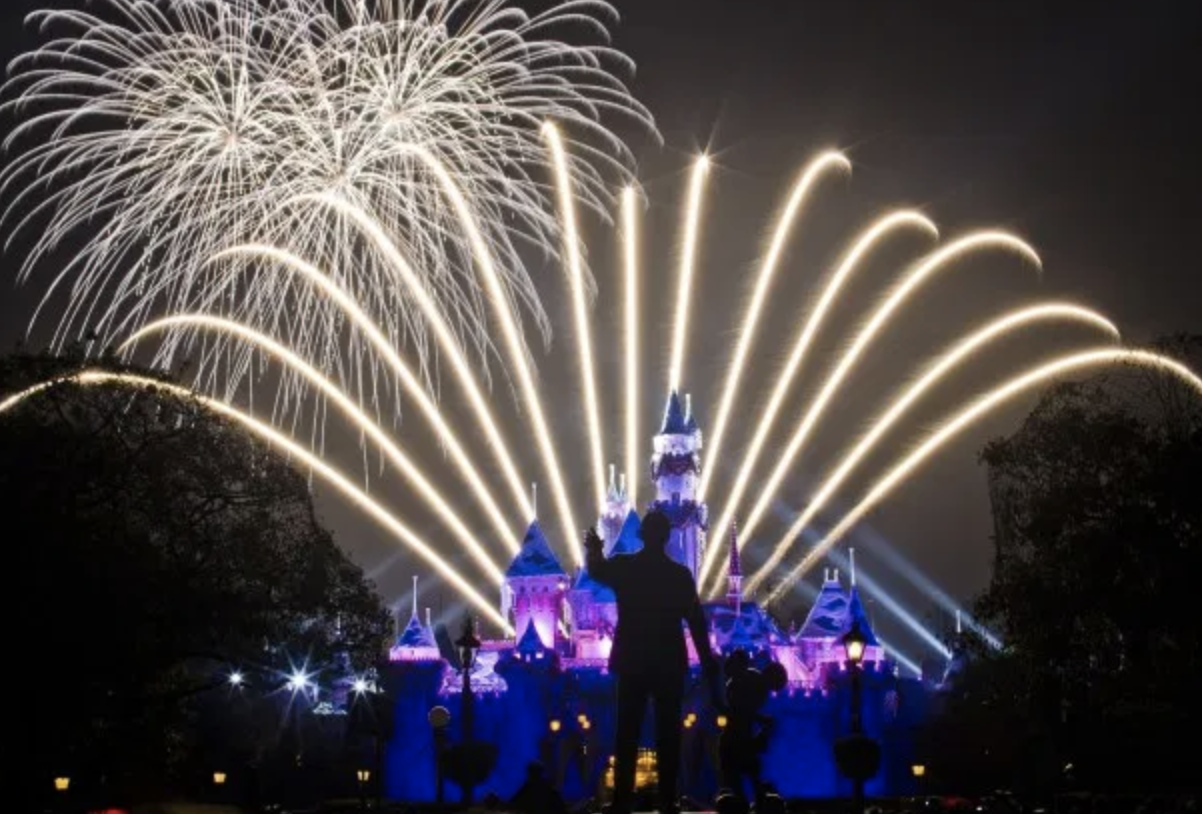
<point x="468" y="645"/>
<point x="857" y="756"/>
<point x="363" y="775"/>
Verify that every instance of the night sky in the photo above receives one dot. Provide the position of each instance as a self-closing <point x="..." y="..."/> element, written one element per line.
<point x="1070" y="124"/>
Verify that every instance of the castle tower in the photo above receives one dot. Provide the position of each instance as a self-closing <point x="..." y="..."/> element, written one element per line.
<point x="734" y="590"/>
<point x="675" y="466"/>
<point x="535" y="584"/>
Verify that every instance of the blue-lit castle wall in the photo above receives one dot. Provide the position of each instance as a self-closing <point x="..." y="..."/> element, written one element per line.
<point x="547" y="695"/>
<point x="799" y="760"/>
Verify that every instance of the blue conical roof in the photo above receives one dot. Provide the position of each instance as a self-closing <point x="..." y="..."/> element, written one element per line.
<point x="855" y="613"/>
<point x="829" y="616"/>
<point x="596" y="591"/>
<point x="536" y="558"/>
<point x="416" y="634"/>
<point x="675" y="421"/>
<point x="628" y="540"/>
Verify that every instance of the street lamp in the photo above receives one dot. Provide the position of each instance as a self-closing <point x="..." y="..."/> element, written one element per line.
<point x="363" y="775"/>
<point x="218" y="778"/>
<point x="918" y="770"/>
<point x="62" y="783"/>
<point x="468" y="645"/>
<point x="857" y="756"/>
<point x="556" y="725"/>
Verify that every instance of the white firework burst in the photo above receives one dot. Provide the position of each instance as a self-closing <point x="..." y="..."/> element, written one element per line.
<point x="164" y="131"/>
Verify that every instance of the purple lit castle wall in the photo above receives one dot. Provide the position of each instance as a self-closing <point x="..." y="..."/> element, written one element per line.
<point x="546" y="695"/>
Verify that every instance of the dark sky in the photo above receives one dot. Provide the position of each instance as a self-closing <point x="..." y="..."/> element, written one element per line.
<point x="1069" y="123"/>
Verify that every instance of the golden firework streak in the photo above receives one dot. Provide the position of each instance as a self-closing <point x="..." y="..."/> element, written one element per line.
<point x="409" y="379"/>
<point x="291" y="447"/>
<point x="784" y="383"/>
<point x="982" y="407"/>
<point x="688" y="263"/>
<point x="829" y="160"/>
<point x="928" y="267"/>
<point x="571" y="239"/>
<point x="353" y="413"/>
<point x="942" y="367"/>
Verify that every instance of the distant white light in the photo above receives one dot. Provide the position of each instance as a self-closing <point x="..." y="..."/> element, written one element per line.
<point x="236" y="678"/>
<point x="299" y="681"/>
<point x="360" y="686"/>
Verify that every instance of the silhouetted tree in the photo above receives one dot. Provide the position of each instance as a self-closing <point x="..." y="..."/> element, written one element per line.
<point x="1098" y="549"/>
<point x="161" y="548"/>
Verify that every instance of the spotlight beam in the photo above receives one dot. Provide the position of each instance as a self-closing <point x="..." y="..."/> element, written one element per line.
<point x="409" y="380"/>
<point x="290" y="447"/>
<point x="942" y="367"/>
<point x="926" y="268"/>
<point x="982" y="407"/>
<point x="789" y="216"/>
<point x="353" y="413"/>
<point x="850" y="263"/>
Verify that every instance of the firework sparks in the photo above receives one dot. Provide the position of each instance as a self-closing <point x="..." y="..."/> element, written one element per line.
<point x="176" y="130"/>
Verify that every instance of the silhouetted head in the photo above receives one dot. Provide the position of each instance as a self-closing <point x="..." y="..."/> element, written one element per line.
<point x="776" y="676"/>
<point x="535" y="770"/>
<point x="655" y="530"/>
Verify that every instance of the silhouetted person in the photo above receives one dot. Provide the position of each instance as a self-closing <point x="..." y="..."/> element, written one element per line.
<point x="537" y="795"/>
<point x="747" y="731"/>
<point x="649" y="659"/>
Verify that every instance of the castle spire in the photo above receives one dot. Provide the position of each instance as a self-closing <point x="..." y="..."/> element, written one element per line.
<point x="534" y="500"/>
<point x="414" y="614"/>
<point x="851" y="557"/>
<point x="734" y="593"/>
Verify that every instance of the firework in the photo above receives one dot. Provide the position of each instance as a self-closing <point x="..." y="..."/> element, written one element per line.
<point x="345" y="190"/>
<point x="174" y="129"/>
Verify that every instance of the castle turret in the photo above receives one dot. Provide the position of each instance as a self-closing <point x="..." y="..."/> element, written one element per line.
<point x="535" y="583"/>
<point x="734" y="579"/>
<point x="617" y="507"/>
<point x="416" y="642"/>
<point x="675" y="467"/>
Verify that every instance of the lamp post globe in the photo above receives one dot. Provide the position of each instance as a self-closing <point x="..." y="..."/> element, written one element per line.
<point x="854" y="644"/>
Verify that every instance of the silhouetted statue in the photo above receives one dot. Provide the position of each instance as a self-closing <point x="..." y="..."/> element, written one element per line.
<point x="649" y="659"/>
<point x="537" y="795"/>
<point x="747" y="730"/>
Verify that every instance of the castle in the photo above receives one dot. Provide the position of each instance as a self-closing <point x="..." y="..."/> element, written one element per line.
<point x="546" y="694"/>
